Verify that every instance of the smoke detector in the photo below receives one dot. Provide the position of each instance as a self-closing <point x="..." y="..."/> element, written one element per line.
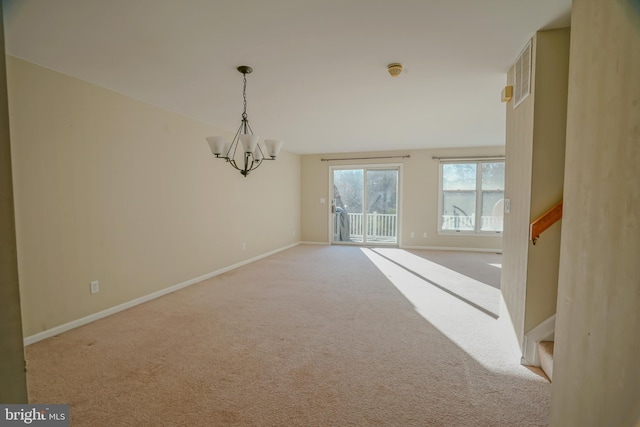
<point x="394" y="69"/>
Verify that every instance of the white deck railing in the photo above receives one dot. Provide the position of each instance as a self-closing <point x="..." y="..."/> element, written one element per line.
<point x="379" y="226"/>
<point x="459" y="222"/>
<point x="384" y="227"/>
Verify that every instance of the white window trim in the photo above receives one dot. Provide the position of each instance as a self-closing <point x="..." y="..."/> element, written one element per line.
<point x="477" y="232"/>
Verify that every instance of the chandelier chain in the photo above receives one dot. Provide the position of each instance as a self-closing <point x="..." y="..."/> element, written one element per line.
<point x="244" y="96"/>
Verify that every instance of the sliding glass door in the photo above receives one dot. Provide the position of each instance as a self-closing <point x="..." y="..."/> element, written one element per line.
<point x="364" y="206"/>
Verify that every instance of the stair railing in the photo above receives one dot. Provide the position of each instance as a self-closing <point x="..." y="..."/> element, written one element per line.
<point x="545" y="221"/>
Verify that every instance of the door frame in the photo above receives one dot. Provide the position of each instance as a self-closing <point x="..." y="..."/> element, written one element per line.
<point x="367" y="166"/>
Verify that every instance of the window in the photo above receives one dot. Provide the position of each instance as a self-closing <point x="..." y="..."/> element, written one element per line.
<point x="471" y="196"/>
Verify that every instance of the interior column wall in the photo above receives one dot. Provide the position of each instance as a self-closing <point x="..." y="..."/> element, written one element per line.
<point x="547" y="171"/>
<point x="13" y="384"/>
<point x="535" y="147"/>
<point x="596" y="378"/>
<point x="519" y="152"/>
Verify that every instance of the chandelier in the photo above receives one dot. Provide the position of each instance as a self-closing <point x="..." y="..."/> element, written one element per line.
<point x="253" y="153"/>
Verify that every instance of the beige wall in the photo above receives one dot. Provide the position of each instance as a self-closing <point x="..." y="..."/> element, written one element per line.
<point x="418" y="201"/>
<point x="13" y="384"/>
<point x="515" y="247"/>
<point x="547" y="171"/>
<point x="535" y="174"/>
<point x="596" y="371"/>
<point x="112" y="189"/>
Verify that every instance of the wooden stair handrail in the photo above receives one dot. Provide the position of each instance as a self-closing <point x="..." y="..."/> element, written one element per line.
<point x="545" y="221"/>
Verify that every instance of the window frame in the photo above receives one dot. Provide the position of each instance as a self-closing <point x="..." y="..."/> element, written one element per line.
<point x="478" y="190"/>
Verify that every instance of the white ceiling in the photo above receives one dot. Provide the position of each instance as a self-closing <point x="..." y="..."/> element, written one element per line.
<point x="320" y="79"/>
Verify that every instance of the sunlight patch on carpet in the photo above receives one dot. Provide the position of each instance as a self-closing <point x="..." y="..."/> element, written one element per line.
<point x="478" y="334"/>
<point x="476" y="293"/>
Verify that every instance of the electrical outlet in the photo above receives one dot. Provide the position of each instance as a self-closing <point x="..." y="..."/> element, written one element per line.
<point x="413" y="234"/>
<point x="95" y="287"/>
<point x="244" y="246"/>
<point x="424" y="234"/>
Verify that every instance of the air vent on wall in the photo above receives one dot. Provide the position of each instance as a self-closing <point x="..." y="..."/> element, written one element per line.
<point x="522" y="78"/>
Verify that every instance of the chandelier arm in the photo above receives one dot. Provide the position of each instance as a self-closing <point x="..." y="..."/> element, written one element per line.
<point x="234" y="144"/>
<point x="249" y="127"/>
<point x="260" y="148"/>
<point x="247" y="166"/>
<point x="232" y="162"/>
<point x="255" y="164"/>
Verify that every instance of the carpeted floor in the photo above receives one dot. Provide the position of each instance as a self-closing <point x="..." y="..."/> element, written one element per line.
<point x="312" y="336"/>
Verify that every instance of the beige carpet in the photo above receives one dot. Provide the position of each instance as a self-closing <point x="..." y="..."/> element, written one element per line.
<point x="313" y="336"/>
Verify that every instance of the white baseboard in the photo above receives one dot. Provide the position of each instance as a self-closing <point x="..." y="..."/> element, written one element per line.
<point x="108" y="312"/>
<point x="433" y="248"/>
<point x="545" y="331"/>
<point x="449" y="248"/>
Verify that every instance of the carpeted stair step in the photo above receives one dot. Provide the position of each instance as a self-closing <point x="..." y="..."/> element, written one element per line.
<point x="545" y="351"/>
